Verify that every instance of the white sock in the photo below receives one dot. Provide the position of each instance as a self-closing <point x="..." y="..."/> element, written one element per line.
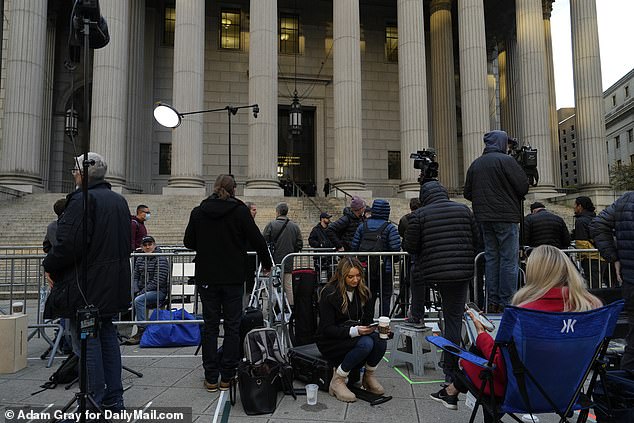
<point x="341" y="373"/>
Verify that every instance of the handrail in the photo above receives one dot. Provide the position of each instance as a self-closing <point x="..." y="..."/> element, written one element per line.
<point x="303" y="194"/>
<point x="336" y="188"/>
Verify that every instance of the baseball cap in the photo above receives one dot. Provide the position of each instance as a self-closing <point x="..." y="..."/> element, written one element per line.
<point x="325" y="215"/>
<point x="537" y="205"/>
<point x="147" y="239"/>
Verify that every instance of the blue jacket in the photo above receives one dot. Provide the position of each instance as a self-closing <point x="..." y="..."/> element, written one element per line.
<point x="380" y="214"/>
<point x="613" y="233"/>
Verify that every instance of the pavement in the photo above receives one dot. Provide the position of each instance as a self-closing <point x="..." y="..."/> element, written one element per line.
<point x="173" y="377"/>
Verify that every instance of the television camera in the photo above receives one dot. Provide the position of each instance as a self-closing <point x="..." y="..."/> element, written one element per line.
<point x="425" y="161"/>
<point x="526" y="157"/>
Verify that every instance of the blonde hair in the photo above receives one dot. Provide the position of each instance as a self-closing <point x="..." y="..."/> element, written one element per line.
<point x="548" y="268"/>
<point x="225" y="186"/>
<point x="338" y="281"/>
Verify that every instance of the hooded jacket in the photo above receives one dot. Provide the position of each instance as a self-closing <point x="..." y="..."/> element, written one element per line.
<point x="218" y="230"/>
<point x="581" y="234"/>
<point x="107" y="254"/>
<point x="380" y="215"/>
<point x="613" y="232"/>
<point x="342" y="230"/>
<point x="545" y="228"/>
<point x="443" y="236"/>
<point x="496" y="183"/>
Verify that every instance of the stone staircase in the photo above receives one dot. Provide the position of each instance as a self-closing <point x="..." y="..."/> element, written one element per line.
<point x="23" y="220"/>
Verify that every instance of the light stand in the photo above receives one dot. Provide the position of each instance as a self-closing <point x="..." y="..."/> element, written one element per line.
<point x="169" y="117"/>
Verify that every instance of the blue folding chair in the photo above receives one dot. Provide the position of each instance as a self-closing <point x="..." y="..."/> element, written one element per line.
<point x="548" y="358"/>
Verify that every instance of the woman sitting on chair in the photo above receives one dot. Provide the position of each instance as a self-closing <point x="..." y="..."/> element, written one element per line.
<point x="343" y="334"/>
<point x="552" y="284"/>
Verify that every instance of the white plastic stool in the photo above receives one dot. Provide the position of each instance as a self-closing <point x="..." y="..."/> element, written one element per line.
<point x="417" y="351"/>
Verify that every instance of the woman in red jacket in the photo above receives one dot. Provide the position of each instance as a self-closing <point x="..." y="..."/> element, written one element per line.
<point x="552" y="284"/>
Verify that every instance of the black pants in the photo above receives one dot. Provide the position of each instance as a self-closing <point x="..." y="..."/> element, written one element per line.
<point x="217" y="300"/>
<point x="627" y="362"/>
<point x="453" y="296"/>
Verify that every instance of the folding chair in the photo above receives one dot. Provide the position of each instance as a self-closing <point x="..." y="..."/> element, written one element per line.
<point x="548" y="358"/>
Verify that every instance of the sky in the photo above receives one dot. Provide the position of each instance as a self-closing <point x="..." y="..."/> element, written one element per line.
<point x="616" y="32"/>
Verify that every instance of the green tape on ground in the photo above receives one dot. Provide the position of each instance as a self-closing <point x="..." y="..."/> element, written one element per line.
<point x="410" y="381"/>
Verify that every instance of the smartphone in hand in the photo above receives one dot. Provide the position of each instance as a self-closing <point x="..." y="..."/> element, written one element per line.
<point x="473" y="308"/>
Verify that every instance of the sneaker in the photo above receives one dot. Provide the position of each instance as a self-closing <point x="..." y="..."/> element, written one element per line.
<point x="224" y="386"/>
<point x="211" y="387"/>
<point x="415" y="322"/>
<point x="449" y="401"/>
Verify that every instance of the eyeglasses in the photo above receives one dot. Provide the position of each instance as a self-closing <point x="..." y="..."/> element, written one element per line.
<point x="145" y="211"/>
<point x="74" y="171"/>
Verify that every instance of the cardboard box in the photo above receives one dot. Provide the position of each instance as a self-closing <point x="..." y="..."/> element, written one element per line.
<point x="13" y="346"/>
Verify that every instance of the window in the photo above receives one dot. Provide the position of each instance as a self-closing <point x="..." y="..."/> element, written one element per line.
<point x="574" y="154"/>
<point x="566" y="166"/>
<point x="618" y="163"/>
<point x="564" y="140"/>
<point x="572" y="127"/>
<point x="391" y="43"/>
<point x="165" y="159"/>
<point x="289" y="34"/>
<point x="613" y="100"/>
<point x="564" y="132"/>
<point x="627" y="91"/>
<point x="572" y="136"/>
<point x="631" y="158"/>
<point x="565" y="149"/>
<point x="566" y="174"/>
<point x="630" y="136"/>
<point x="230" y="29"/>
<point x="565" y="157"/>
<point x="574" y="145"/>
<point x="574" y="163"/>
<point x="394" y="165"/>
<point x="617" y="141"/>
<point x="169" y="23"/>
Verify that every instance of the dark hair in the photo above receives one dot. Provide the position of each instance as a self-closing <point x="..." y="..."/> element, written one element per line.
<point x="59" y="206"/>
<point x="141" y="207"/>
<point x="585" y="203"/>
<point x="225" y="186"/>
<point x="414" y="203"/>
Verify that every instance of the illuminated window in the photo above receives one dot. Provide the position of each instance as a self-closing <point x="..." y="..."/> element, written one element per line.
<point x="394" y="165"/>
<point x="391" y="43"/>
<point x="289" y="34"/>
<point x="169" y="22"/>
<point x="230" y="29"/>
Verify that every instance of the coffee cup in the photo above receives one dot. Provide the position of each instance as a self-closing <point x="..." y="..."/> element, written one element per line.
<point x="384" y="327"/>
<point x="17" y="307"/>
<point x="311" y="394"/>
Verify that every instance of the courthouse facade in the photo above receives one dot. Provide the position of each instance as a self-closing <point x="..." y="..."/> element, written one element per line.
<point x="377" y="80"/>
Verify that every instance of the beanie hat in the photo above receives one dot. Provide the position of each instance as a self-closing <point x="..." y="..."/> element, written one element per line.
<point x="357" y="203"/>
<point x="537" y="205"/>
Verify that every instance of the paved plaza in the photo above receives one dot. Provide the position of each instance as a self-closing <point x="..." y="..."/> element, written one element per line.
<point x="173" y="377"/>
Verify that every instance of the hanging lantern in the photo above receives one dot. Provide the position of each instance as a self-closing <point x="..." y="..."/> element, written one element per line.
<point x="295" y="116"/>
<point x="70" y="122"/>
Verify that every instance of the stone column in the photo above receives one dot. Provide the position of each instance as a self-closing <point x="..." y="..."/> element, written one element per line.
<point x="347" y="96"/>
<point x="531" y="47"/>
<point x="505" y="118"/>
<point x="262" y="172"/>
<point x="22" y="123"/>
<point x="552" y="100"/>
<point x="473" y="78"/>
<point x="443" y="91"/>
<point x="187" y="95"/>
<point x="136" y="161"/>
<point x="586" y="65"/>
<point x="109" y="105"/>
<point x="515" y="106"/>
<point x="47" y="105"/>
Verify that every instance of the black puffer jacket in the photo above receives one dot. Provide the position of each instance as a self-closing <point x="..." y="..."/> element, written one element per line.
<point x="151" y="273"/>
<point x="495" y="183"/>
<point x="617" y="221"/>
<point x="443" y="235"/>
<point x="218" y="231"/>
<point x="343" y="229"/>
<point x="108" y="254"/>
<point x="546" y="228"/>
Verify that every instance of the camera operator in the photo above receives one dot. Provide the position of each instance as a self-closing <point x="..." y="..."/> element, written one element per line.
<point x="108" y="284"/>
<point x="496" y="185"/>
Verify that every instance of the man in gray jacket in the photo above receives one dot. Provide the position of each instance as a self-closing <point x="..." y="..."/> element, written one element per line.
<point x="286" y="238"/>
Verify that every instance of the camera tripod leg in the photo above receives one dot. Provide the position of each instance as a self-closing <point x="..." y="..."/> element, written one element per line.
<point x="134" y="372"/>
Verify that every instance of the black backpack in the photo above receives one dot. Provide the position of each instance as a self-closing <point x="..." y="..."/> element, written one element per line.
<point x="373" y="240"/>
<point x="67" y="372"/>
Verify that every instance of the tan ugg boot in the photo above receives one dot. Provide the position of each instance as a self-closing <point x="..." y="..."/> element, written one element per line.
<point x="338" y="386"/>
<point x="370" y="383"/>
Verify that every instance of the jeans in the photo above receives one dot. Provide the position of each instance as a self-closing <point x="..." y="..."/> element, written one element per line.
<point x="103" y="364"/>
<point x="217" y="300"/>
<point x="381" y="290"/>
<point x="627" y="361"/>
<point x="147" y="300"/>
<point x="595" y="272"/>
<point x="501" y="252"/>
<point x="453" y="297"/>
<point x="369" y="350"/>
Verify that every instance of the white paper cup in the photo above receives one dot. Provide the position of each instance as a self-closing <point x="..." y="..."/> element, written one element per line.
<point x="17" y="307"/>
<point x="384" y="327"/>
<point x="311" y="394"/>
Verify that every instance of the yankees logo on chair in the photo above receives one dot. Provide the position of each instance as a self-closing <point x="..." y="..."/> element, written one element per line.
<point x="569" y="326"/>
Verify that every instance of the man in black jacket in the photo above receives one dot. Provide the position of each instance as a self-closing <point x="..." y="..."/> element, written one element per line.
<point x="108" y="284"/>
<point x="613" y="233"/>
<point x="218" y="230"/>
<point x="343" y="229"/>
<point x="543" y="227"/>
<point x="443" y="236"/>
<point x="496" y="186"/>
<point x="318" y="238"/>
